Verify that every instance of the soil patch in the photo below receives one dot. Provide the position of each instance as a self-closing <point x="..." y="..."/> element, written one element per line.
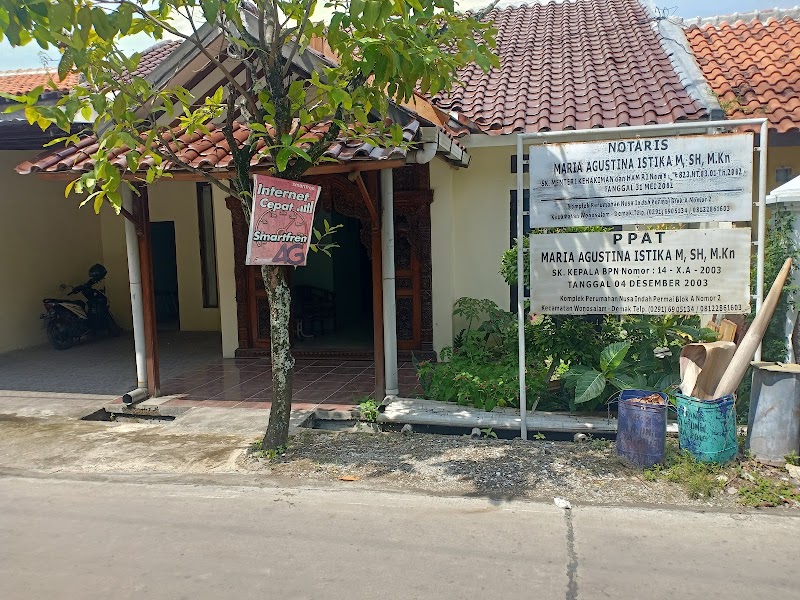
<point x="583" y="472"/>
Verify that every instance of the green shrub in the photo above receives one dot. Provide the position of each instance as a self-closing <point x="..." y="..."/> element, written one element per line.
<point x="481" y="368"/>
<point x="779" y="246"/>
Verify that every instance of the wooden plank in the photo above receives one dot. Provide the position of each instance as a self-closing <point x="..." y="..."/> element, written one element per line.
<point x="148" y="296"/>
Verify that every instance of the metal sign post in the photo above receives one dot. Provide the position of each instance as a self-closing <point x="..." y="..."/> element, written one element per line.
<point x="569" y="174"/>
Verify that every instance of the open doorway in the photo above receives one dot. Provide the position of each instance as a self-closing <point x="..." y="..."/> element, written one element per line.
<point x="332" y="295"/>
<point x="165" y="275"/>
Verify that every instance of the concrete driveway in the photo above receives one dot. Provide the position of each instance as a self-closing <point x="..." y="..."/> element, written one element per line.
<point x="103" y="367"/>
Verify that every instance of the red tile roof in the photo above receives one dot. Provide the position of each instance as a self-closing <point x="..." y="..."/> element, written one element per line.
<point x="154" y="56"/>
<point x="24" y="80"/>
<point x="753" y="67"/>
<point x="577" y="64"/>
<point x="209" y="152"/>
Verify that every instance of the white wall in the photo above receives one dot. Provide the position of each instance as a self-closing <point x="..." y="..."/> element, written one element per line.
<point x="470" y="231"/>
<point x="169" y="201"/>
<point x="481" y="197"/>
<point x="223" y="233"/>
<point x="45" y="240"/>
<point x="442" y="253"/>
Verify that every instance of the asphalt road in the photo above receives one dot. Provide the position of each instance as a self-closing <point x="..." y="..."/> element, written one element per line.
<point x="138" y="537"/>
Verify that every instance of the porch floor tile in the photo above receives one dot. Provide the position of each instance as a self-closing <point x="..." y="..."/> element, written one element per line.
<point x="327" y="384"/>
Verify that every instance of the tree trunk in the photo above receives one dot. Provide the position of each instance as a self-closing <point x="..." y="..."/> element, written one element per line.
<point x="282" y="362"/>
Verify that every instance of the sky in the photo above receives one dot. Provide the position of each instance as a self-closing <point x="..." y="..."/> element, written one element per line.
<point x="30" y="56"/>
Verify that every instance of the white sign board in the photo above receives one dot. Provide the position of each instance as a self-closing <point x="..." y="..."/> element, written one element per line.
<point x="683" y="179"/>
<point x="641" y="272"/>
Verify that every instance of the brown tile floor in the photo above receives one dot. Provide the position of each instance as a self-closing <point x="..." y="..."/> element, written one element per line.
<point x="323" y="384"/>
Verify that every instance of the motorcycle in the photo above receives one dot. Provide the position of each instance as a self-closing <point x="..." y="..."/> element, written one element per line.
<point x="67" y="321"/>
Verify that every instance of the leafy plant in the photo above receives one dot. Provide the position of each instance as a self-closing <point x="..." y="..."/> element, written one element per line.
<point x="793" y="459"/>
<point x="257" y="449"/>
<point x="489" y="433"/>
<point x="481" y="368"/>
<point x="368" y="410"/>
<point x="647" y="357"/>
<point x="779" y="245"/>
<point x="590" y="383"/>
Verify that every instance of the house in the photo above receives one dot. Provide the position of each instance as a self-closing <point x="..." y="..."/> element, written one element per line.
<point x="574" y="65"/>
<point x="44" y="240"/>
<point x="752" y="63"/>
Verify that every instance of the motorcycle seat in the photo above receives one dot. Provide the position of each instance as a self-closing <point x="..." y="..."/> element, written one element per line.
<point x="62" y="301"/>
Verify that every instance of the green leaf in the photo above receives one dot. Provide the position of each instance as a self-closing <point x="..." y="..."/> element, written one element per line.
<point x="211" y="10"/>
<point x="301" y="153"/>
<point x="340" y="96"/>
<point x="102" y="24"/>
<point x="372" y="11"/>
<point x="84" y="23"/>
<point x="120" y="106"/>
<point x="125" y="18"/>
<point x="589" y="385"/>
<point x="612" y="355"/>
<point x="31" y="114"/>
<point x="356" y="8"/>
<point x="282" y="160"/>
<point x="622" y="382"/>
<point x="65" y="64"/>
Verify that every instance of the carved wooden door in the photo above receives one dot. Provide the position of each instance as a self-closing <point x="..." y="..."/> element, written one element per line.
<point x="259" y="308"/>
<point x="407" y="289"/>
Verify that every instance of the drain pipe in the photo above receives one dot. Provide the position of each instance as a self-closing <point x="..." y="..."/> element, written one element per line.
<point x="423" y="155"/>
<point x="389" y="300"/>
<point x="137" y="309"/>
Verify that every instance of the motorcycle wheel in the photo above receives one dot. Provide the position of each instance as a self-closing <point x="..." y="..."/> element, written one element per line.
<point x="59" y="335"/>
<point x="114" y="330"/>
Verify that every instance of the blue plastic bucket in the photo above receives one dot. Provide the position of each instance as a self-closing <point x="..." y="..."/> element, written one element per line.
<point x="707" y="428"/>
<point x="641" y="428"/>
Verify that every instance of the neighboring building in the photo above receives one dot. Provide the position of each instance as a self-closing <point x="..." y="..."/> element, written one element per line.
<point x="752" y="63"/>
<point x="44" y="239"/>
<point x="575" y="65"/>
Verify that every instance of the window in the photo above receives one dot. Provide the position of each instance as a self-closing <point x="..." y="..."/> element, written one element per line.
<point x="783" y="175"/>
<point x="208" y="254"/>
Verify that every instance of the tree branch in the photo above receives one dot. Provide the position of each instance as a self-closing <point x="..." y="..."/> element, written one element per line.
<point x="297" y="37"/>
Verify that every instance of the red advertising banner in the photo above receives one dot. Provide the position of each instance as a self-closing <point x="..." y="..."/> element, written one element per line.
<point x="282" y="220"/>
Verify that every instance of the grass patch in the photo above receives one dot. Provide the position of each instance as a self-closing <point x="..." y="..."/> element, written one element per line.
<point x="765" y="492"/>
<point x="700" y="480"/>
<point x="257" y="449"/>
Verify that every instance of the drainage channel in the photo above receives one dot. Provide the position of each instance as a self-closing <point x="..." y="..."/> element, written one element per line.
<point x="128" y="415"/>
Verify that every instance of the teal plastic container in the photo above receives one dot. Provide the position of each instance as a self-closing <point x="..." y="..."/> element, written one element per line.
<point x="707" y="428"/>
